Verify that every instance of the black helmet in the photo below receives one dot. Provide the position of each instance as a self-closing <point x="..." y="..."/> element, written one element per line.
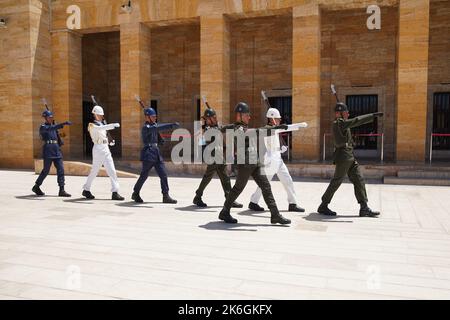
<point x="242" y="107"/>
<point x="209" y="113"/>
<point x="341" y="107"/>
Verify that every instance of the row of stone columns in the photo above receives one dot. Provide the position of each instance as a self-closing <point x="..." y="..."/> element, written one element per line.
<point x="215" y="78"/>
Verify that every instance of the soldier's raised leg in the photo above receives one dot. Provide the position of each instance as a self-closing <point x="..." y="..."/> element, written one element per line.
<point x="221" y="170"/>
<point x="47" y="163"/>
<point x="340" y="172"/>
<point x="243" y="174"/>
<point x="207" y="177"/>
<point x="146" y="167"/>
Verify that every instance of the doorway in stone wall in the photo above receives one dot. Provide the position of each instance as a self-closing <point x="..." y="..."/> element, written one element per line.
<point x="441" y="126"/>
<point x="284" y="105"/>
<point x="101" y="78"/>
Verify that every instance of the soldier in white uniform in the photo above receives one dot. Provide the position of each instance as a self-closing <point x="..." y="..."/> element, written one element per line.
<point x="101" y="155"/>
<point x="274" y="164"/>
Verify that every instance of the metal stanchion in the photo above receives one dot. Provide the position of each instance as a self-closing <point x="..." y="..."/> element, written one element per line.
<point x="382" y="147"/>
<point x="431" y="146"/>
<point x="324" y="149"/>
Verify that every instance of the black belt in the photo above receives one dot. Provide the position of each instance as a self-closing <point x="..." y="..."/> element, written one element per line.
<point x="51" y="141"/>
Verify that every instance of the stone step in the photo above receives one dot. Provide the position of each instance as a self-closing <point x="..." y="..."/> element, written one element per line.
<point x="416" y="181"/>
<point x="79" y="168"/>
<point x="422" y="174"/>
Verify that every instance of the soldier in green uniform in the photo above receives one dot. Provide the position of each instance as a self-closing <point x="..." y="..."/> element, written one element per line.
<point x="210" y="118"/>
<point x="345" y="162"/>
<point x="247" y="169"/>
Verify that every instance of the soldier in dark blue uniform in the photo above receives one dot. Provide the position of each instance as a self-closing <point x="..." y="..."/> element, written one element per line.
<point x="51" y="153"/>
<point x="151" y="155"/>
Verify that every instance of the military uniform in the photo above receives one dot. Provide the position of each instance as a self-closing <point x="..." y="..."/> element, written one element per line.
<point x="346" y="164"/>
<point x="51" y="153"/>
<point x="151" y="157"/>
<point x="247" y="170"/>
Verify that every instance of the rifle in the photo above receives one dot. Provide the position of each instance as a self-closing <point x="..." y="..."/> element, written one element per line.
<point x="58" y="136"/>
<point x="333" y="91"/>
<point x="111" y="141"/>
<point x="205" y="102"/>
<point x="265" y="100"/>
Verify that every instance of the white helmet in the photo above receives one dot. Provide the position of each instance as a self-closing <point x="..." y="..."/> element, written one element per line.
<point x="98" y="110"/>
<point x="273" y="113"/>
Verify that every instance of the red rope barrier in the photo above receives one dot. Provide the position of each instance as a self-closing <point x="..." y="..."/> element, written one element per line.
<point x="440" y="134"/>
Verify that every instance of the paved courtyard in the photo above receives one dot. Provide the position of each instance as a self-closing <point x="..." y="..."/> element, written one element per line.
<point x="53" y="248"/>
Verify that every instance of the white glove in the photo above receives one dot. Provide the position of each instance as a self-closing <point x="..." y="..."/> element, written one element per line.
<point x="116" y="125"/>
<point x="112" y="143"/>
<point x="283" y="149"/>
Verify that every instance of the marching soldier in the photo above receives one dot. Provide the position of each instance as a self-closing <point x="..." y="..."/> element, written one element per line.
<point x="244" y="171"/>
<point x="101" y="155"/>
<point x="210" y="118"/>
<point x="51" y="153"/>
<point x="274" y="164"/>
<point x="345" y="162"/>
<point x="151" y="155"/>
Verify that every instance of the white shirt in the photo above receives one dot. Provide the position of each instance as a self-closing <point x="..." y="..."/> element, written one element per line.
<point x="98" y="132"/>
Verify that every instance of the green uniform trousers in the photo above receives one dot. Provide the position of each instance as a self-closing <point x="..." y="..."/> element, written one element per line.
<point x="343" y="168"/>
<point x="221" y="170"/>
<point x="244" y="172"/>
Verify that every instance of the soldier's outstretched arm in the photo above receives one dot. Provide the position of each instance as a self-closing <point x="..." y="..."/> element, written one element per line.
<point x="227" y="126"/>
<point x="167" y="126"/>
<point x="293" y="127"/>
<point x="360" y="120"/>
<point x="109" y="126"/>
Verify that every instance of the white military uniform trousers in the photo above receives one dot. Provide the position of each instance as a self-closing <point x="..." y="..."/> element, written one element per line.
<point x="274" y="165"/>
<point x="101" y="155"/>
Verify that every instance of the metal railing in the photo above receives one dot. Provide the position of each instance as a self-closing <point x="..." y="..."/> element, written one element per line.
<point x="357" y="135"/>
<point x="431" y="141"/>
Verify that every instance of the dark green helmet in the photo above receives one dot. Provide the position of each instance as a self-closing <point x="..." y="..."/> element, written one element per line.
<point x="341" y="107"/>
<point x="209" y="113"/>
<point x="242" y="107"/>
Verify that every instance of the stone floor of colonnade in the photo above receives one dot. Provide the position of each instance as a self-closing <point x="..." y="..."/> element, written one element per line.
<point x="53" y="248"/>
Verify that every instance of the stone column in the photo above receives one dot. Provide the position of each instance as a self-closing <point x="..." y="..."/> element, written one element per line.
<point x="306" y="80"/>
<point x="412" y="79"/>
<point x="215" y="64"/>
<point x="135" y="79"/>
<point x="67" y="89"/>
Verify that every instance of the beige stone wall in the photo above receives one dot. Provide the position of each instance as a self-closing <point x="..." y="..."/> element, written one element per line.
<point x="360" y="61"/>
<point x="260" y="59"/>
<point x="24" y="78"/>
<point x="175" y="72"/>
<point x="439" y="50"/>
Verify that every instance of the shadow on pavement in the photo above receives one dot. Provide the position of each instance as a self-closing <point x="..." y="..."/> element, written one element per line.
<point x="132" y="204"/>
<point x="34" y="197"/>
<point x="219" y="225"/>
<point x="314" y="216"/>
<point x="256" y="214"/>
<point x="193" y="207"/>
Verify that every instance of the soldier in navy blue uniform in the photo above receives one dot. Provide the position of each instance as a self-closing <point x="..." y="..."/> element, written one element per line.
<point x="151" y="155"/>
<point x="51" y="153"/>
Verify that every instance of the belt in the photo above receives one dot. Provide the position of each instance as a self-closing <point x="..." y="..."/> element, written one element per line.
<point x="51" y="141"/>
<point x="104" y="141"/>
<point x="153" y="145"/>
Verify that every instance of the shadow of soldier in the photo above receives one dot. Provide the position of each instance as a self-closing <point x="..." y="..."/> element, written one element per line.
<point x="314" y="216"/>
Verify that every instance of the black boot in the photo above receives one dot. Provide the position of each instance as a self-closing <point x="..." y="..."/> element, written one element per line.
<point x="255" y="207"/>
<point x="37" y="190"/>
<point x="117" y="196"/>
<point x="88" y="194"/>
<point x="276" y="217"/>
<point x="168" y="199"/>
<point x="63" y="193"/>
<point x="294" y="208"/>
<point x="236" y="205"/>
<point x="136" y="197"/>
<point x="226" y="216"/>
<point x="199" y="202"/>
<point x="365" y="211"/>
<point x="323" y="209"/>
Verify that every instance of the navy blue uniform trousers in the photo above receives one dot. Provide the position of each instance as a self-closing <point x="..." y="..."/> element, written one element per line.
<point x="160" y="170"/>
<point x="58" y="162"/>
